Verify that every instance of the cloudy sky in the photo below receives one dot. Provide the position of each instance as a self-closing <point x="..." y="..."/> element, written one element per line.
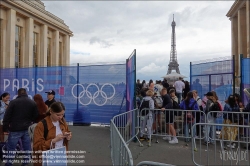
<point x="108" y="31"/>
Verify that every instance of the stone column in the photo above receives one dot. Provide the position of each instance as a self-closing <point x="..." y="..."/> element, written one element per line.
<point x="43" y="46"/>
<point x="248" y="27"/>
<point x="28" y="56"/>
<point x="66" y="50"/>
<point x="55" y="49"/>
<point x="3" y="41"/>
<point x="242" y="32"/>
<point x="10" y="39"/>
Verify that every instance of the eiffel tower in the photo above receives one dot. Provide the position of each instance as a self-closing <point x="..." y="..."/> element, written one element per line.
<point x="173" y="64"/>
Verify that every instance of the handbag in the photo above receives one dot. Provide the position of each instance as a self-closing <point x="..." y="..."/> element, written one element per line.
<point x="54" y="157"/>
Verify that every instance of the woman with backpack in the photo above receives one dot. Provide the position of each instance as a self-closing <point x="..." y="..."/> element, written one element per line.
<point x="189" y="117"/>
<point x="211" y="105"/>
<point x="230" y="133"/>
<point x="57" y="132"/>
<point x="146" y="112"/>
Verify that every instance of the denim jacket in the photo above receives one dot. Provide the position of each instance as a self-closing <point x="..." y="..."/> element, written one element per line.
<point x="2" y="110"/>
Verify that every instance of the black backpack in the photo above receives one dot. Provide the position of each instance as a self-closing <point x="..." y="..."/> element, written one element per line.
<point x="145" y="106"/>
<point x="215" y="107"/>
<point x="177" y="107"/>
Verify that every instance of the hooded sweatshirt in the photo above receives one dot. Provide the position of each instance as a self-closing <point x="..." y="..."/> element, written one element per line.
<point x="191" y="102"/>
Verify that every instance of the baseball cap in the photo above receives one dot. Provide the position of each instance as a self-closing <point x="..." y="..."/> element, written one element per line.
<point x="51" y="92"/>
<point x="209" y="94"/>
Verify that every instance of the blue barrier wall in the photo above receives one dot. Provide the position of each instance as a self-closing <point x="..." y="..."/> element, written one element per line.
<point x="245" y="79"/>
<point x="213" y="76"/>
<point x="91" y="94"/>
<point x="131" y="81"/>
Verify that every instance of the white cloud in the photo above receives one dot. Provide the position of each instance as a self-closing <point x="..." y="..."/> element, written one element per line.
<point x="108" y="31"/>
<point x="151" y="69"/>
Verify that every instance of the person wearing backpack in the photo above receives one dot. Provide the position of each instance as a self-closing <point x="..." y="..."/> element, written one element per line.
<point x="189" y="117"/>
<point x="158" y="105"/>
<point x="146" y="112"/>
<point x="211" y="105"/>
<point x="230" y="133"/>
<point x="57" y="134"/>
<point x="169" y="117"/>
<point x="198" y="114"/>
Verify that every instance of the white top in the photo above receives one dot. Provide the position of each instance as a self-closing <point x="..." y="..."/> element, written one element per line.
<point x="179" y="86"/>
<point x="58" y="131"/>
<point x="157" y="89"/>
<point x="199" y="100"/>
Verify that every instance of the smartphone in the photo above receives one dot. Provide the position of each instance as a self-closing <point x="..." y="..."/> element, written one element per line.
<point x="66" y="134"/>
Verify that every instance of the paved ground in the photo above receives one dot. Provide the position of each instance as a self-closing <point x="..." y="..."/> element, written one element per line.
<point x="95" y="141"/>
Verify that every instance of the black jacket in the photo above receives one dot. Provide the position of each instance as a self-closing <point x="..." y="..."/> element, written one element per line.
<point x="48" y="103"/>
<point x="19" y="114"/>
<point x="167" y="102"/>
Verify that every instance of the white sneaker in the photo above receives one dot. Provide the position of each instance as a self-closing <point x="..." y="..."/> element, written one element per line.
<point x="231" y="145"/>
<point x="167" y="138"/>
<point x="174" y="141"/>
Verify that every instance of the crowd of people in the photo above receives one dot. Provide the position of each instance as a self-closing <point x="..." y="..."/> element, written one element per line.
<point x="165" y="99"/>
<point x="16" y="116"/>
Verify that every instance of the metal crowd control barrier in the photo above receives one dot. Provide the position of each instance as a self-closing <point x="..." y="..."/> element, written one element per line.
<point x="120" y="153"/>
<point x="128" y="125"/>
<point x="225" y="149"/>
<point x="151" y="163"/>
<point x="178" y="122"/>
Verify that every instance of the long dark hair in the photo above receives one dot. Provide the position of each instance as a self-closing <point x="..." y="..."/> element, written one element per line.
<point x="238" y="98"/>
<point x="4" y="95"/>
<point x="55" y="107"/>
<point x="188" y="97"/>
<point x="231" y="101"/>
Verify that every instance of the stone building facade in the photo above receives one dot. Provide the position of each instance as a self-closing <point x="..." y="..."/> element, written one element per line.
<point x="239" y="14"/>
<point x="30" y="36"/>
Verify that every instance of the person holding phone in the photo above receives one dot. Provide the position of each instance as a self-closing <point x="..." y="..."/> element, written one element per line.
<point x="58" y="131"/>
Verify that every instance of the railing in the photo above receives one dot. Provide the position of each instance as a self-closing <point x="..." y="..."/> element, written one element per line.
<point x="226" y="139"/>
<point x="151" y="163"/>
<point x="127" y="124"/>
<point x="120" y="153"/>
<point x="127" y="127"/>
<point x="216" y="152"/>
<point x="169" y="123"/>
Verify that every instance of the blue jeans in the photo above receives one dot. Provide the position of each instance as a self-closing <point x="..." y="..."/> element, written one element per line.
<point x="179" y="96"/>
<point x="188" y="126"/>
<point x="210" y="130"/>
<point x="11" y="146"/>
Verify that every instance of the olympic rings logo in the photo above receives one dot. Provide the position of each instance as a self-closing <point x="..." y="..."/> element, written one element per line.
<point x="99" y="93"/>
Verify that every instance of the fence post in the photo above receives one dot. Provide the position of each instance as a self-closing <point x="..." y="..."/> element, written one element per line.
<point x="134" y="99"/>
<point x="35" y="79"/>
<point x="241" y="76"/>
<point x="233" y="74"/>
<point x="127" y="88"/>
<point x="209" y="80"/>
<point x="77" y="102"/>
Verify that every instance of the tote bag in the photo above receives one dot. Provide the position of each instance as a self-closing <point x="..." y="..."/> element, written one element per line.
<point x="55" y="157"/>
